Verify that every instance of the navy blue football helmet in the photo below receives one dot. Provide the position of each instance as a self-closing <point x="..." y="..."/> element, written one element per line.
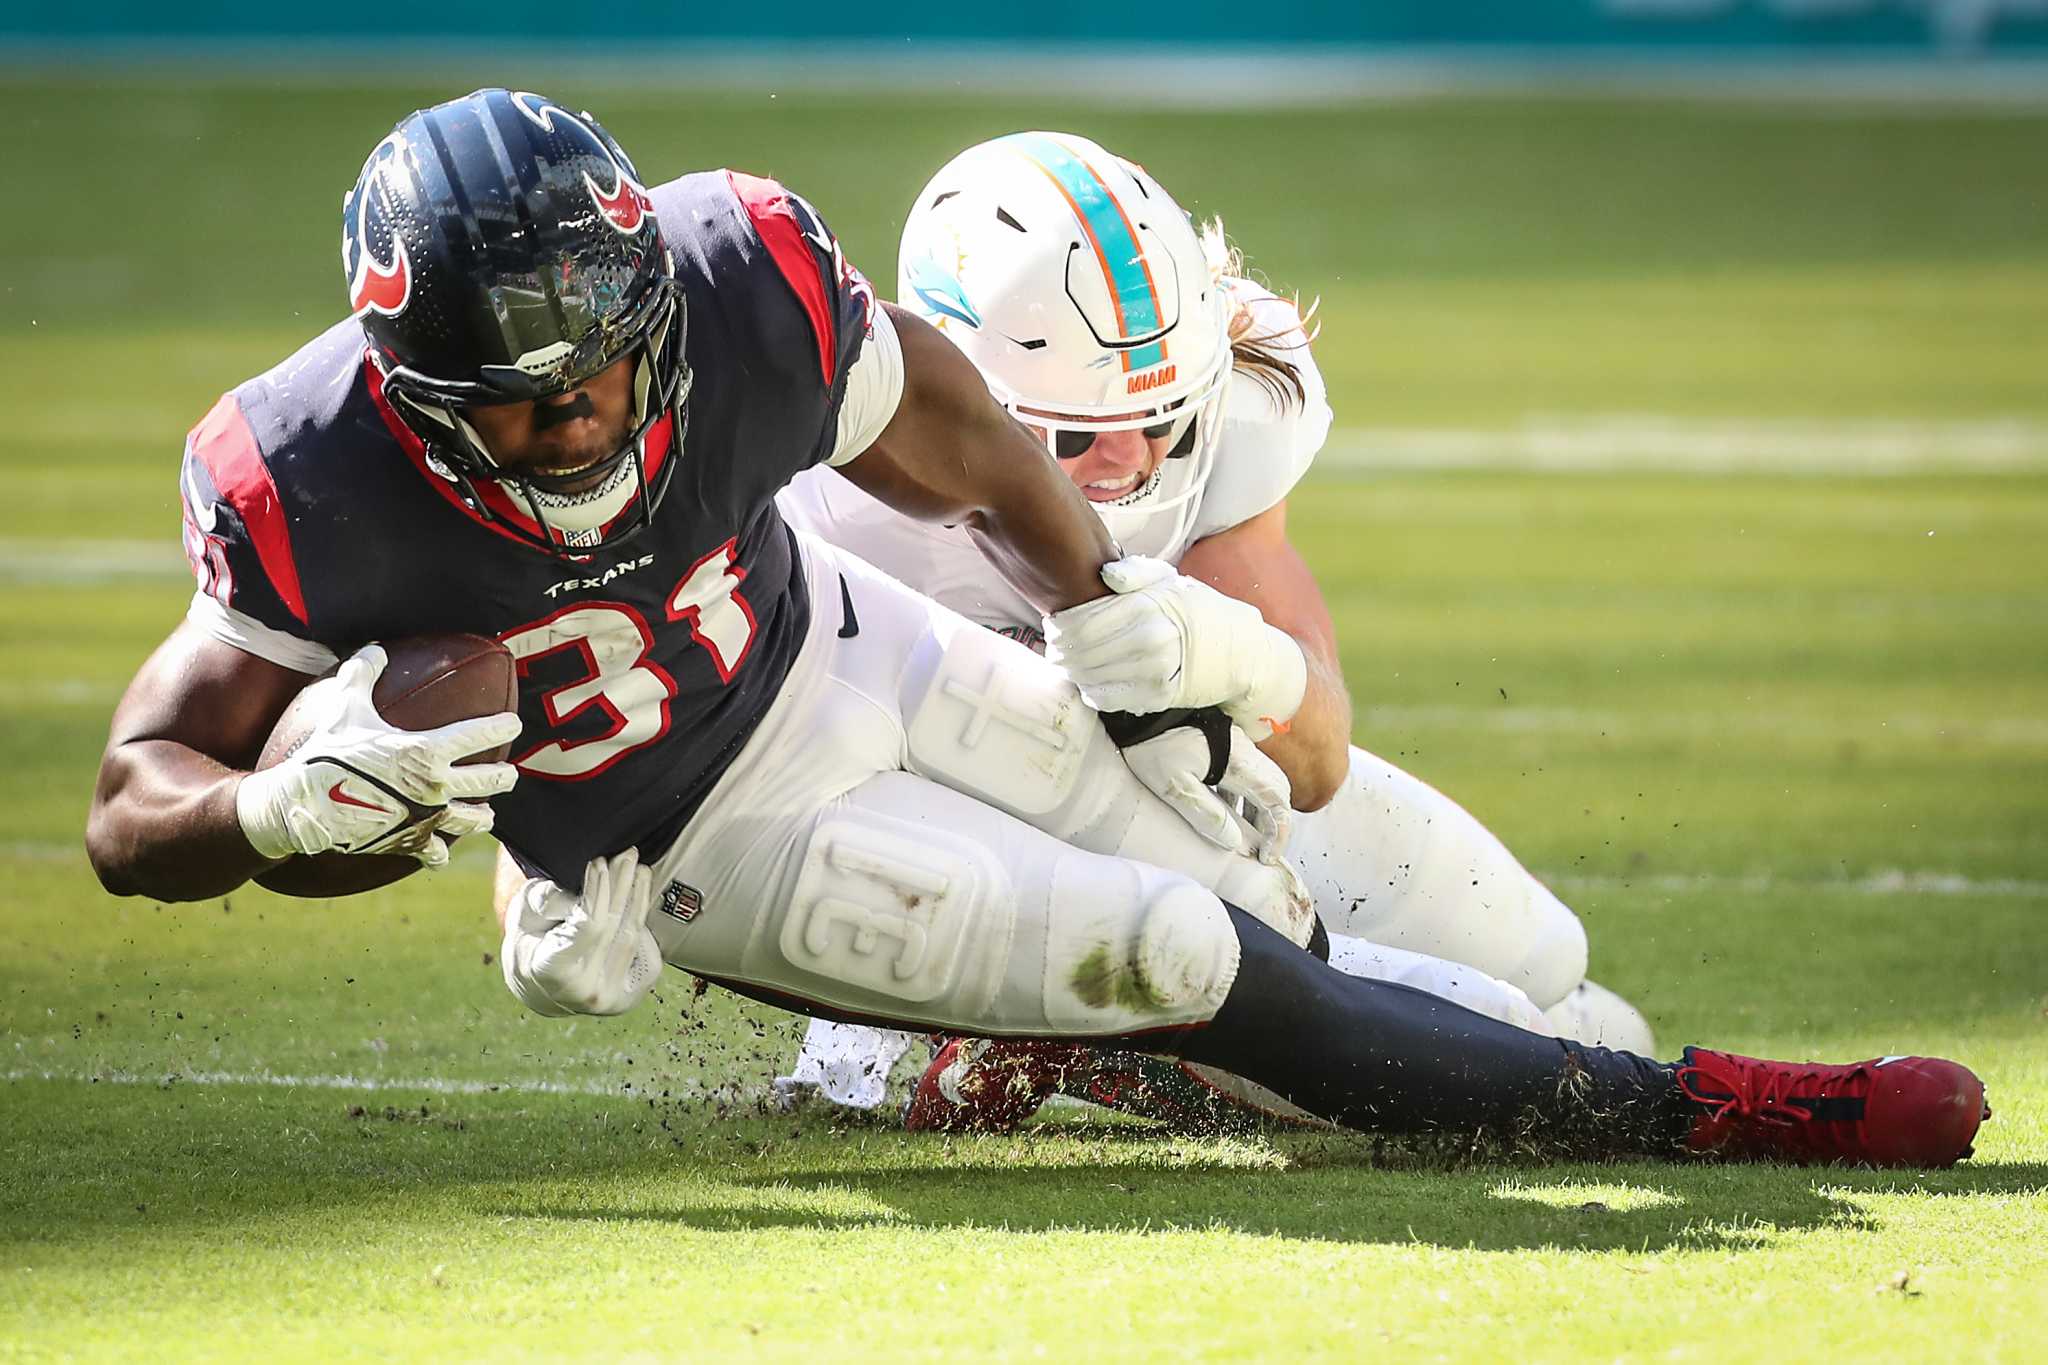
<point x="501" y="249"/>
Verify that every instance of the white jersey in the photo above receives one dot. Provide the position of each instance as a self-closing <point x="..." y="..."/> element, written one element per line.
<point x="1265" y="448"/>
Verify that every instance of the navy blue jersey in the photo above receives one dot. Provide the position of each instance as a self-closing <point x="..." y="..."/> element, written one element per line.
<point x="312" y="509"/>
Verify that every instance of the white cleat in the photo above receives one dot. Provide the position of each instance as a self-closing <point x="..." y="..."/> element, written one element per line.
<point x="1593" y="1014"/>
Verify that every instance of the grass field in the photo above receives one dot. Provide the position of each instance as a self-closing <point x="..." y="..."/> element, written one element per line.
<point x="1779" y="733"/>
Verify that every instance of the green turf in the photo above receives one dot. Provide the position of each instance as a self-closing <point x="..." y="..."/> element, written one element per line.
<point x="1782" y="740"/>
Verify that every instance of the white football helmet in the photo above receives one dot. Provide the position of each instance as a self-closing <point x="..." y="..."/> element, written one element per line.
<point x="1081" y="291"/>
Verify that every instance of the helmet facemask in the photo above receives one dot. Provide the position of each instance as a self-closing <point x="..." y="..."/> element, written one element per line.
<point x="1194" y="425"/>
<point x="604" y="504"/>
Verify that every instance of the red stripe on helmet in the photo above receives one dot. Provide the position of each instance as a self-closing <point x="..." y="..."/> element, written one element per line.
<point x="224" y="443"/>
<point x="794" y="254"/>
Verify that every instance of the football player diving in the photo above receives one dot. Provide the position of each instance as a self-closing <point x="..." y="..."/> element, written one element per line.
<point x="1028" y="251"/>
<point x="558" y="413"/>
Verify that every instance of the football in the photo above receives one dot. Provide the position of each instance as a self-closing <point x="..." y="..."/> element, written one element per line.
<point x="430" y="681"/>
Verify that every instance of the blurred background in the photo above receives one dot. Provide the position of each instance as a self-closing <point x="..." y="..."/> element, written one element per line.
<point x="1685" y="514"/>
<point x="1830" y="26"/>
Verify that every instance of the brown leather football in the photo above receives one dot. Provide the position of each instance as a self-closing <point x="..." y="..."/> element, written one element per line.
<point x="432" y="680"/>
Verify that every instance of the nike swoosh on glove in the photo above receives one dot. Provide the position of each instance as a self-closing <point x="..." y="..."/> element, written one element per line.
<point x="359" y="784"/>
<point x="1162" y="640"/>
<point x="587" y="952"/>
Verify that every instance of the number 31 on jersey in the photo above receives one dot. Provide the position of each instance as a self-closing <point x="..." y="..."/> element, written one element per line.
<point x="619" y="681"/>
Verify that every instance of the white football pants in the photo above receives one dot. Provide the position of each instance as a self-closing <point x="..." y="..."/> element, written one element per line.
<point x="929" y="827"/>
<point x="1393" y="860"/>
<point x="1413" y="889"/>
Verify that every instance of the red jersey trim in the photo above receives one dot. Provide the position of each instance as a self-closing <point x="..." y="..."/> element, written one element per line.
<point x="226" y="446"/>
<point x="414" y="449"/>
<point x="767" y="204"/>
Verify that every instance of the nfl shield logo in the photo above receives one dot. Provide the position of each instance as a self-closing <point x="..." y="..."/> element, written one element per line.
<point x="681" y="902"/>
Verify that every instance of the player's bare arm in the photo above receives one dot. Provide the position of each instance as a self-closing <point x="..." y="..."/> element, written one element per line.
<point x="952" y="454"/>
<point x="163" y="813"/>
<point x="1255" y="562"/>
<point x="179" y="815"/>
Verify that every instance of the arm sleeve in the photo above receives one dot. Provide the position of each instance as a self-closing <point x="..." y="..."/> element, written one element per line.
<point x="251" y="636"/>
<point x="240" y="548"/>
<point x="874" y="388"/>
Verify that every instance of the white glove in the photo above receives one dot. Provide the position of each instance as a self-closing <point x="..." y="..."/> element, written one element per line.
<point x="592" y="953"/>
<point x="359" y="784"/>
<point x="1163" y="640"/>
<point x="1247" y="812"/>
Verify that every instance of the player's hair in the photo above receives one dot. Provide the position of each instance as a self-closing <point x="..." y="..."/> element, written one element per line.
<point x="1259" y="354"/>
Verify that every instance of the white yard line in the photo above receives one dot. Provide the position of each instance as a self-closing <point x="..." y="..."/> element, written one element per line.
<point x="41" y="851"/>
<point x="30" y="560"/>
<point x="435" y="1085"/>
<point x="1890" y="882"/>
<point x="1624" y="443"/>
<point x="59" y="692"/>
<point x="2017" y="731"/>
<point x="1598" y="443"/>
<point x="475" y="853"/>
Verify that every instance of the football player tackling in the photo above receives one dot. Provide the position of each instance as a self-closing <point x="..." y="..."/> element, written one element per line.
<point x="558" y="414"/>
<point x="1412" y="887"/>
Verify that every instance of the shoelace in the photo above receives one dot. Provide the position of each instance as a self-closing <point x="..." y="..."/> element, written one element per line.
<point x="1768" y="1093"/>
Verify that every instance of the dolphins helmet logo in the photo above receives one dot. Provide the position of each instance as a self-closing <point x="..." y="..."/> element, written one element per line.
<point x="939" y="290"/>
<point x="625" y="205"/>
<point x="366" y="214"/>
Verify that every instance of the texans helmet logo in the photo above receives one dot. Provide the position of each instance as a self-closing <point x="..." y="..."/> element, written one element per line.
<point x="626" y="205"/>
<point x="373" y="286"/>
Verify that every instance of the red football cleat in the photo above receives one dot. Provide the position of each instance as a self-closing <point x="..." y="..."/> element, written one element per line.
<point x="1893" y="1111"/>
<point x="988" y="1085"/>
<point x="993" y="1085"/>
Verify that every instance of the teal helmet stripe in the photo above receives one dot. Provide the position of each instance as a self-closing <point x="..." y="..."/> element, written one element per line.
<point x="1111" y="237"/>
